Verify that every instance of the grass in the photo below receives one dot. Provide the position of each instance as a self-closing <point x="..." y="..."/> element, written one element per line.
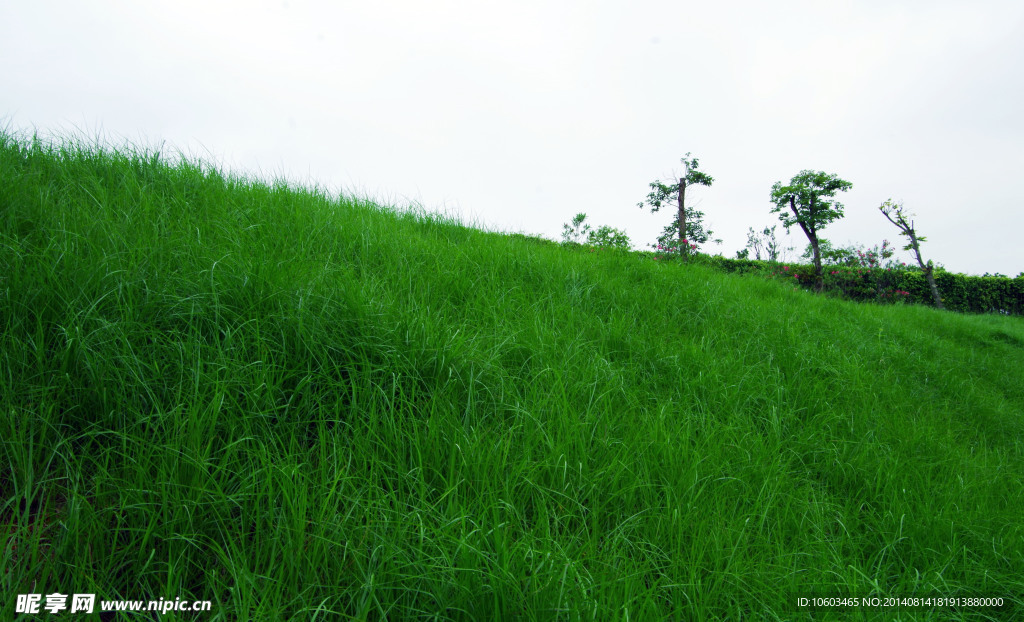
<point x="299" y="407"/>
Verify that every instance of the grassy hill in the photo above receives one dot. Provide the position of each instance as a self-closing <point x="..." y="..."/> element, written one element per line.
<point x="297" y="407"/>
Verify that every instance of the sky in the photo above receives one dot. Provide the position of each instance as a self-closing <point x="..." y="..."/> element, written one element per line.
<point x="516" y="116"/>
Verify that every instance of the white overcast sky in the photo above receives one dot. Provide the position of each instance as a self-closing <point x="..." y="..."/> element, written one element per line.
<point x="515" y="116"/>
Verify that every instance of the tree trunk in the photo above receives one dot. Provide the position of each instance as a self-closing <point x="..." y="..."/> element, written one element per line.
<point x="928" y="270"/>
<point x="935" y="290"/>
<point x="683" y="247"/>
<point x="812" y="235"/>
<point x="908" y="230"/>
<point x="819" y="278"/>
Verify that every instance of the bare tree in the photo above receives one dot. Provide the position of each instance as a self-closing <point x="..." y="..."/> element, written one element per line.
<point x="895" y="214"/>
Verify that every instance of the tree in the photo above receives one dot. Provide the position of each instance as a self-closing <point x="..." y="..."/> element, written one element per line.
<point x="688" y="233"/>
<point x="809" y="199"/>
<point x="895" y="214"/>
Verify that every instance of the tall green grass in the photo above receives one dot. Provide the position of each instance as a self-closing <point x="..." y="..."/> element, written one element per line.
<point x="306" y="408"/>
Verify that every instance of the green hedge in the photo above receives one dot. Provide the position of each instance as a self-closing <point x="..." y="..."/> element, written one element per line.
<point x="980" y="294"/>
<point x="960" y="292"/>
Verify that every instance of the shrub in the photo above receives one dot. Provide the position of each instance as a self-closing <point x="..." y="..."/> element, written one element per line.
<point x="609" y="238"/>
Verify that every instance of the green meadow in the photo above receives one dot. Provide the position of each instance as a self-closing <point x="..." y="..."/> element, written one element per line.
<point x="303" y="407"/>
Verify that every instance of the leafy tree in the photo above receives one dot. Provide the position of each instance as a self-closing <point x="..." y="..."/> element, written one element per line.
<point x="808" y="201"/>
<point x="686" y="231"/>
<point x="895" y="214"/>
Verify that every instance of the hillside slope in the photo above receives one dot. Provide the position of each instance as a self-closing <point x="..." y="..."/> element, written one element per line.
<point x="221" y="390"/>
